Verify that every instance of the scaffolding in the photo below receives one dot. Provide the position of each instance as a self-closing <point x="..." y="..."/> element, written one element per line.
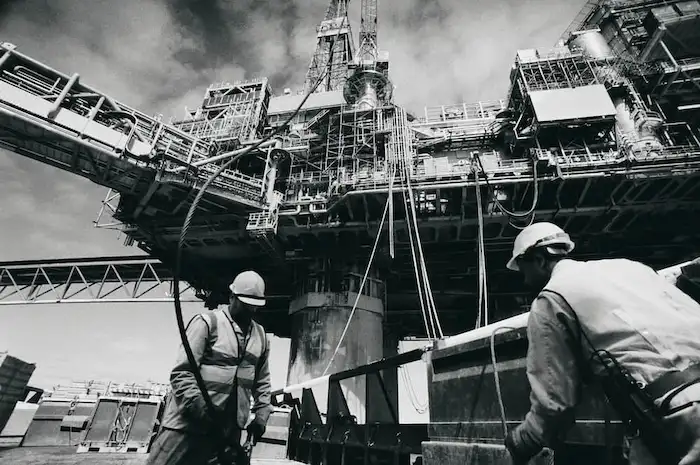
<point x="558" y="70"/>
<point x="230" y="113"/>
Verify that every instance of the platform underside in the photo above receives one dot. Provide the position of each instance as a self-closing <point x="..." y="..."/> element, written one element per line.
<point x="643" y="219"/>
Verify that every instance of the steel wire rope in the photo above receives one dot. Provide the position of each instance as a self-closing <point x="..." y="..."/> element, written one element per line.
<point x="427" y="320"/>
<point x="427" y="312"/>
<point x="220" y="439"/>
<point x="420" y="268"/>
<point x="481" y="260"/>
<point x="419" y="286"/>
<point x="549" y="457"/>
<point x="424" y="271"/>
<point x="418" y="406"/>
<point x="359" y="291"/>
<point x="499" y="394"/>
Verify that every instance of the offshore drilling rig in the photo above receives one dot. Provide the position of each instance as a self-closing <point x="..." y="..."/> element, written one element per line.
<point x="600" y="135"/>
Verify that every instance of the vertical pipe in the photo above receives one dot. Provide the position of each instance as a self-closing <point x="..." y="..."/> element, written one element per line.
<point x="92" y="114"/>
<point x="57" y="104"/>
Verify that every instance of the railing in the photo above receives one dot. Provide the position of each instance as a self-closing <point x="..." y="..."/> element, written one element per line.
<point x="100" y="122"/>
<point x="464" y="111"/>
<point x="580" y="160"/>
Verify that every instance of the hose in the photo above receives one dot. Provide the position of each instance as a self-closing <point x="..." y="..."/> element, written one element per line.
<point x="219" y="438"/>
<point x="499" y="394"/>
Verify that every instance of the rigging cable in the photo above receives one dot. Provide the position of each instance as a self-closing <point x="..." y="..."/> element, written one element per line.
<point x="424" y="291"/>
<point x="359" y="291"/>
<point x="483" y="300"/>
<point x="499" y="394"/>
<point x="546" y="452"/>
<point x="427" y="320"/>
<point x="219" y="438"/>
<point x="432" y="310"/>
<point x="418" y="406"/>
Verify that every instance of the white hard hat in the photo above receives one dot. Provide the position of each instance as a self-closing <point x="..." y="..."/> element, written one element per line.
<point x="249" y="287"/>
<point x="539" y="235"/>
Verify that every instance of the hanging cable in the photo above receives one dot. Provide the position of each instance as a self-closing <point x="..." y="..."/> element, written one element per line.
<point x="499" y="394"/>
<point x="433" y="327"/>
<point x="430" y="331"/>
<point x="483" y="299"/>
<point x="530" y="213"/>
<point x="418" y="406"/>
<point x="219" y="439"/>
<point x="359" y="291"/>
<point x="432" y="310"/>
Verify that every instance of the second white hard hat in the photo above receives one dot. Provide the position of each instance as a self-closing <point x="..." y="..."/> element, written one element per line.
<point x="249" y="287"/>
<point x="539" y="235"/>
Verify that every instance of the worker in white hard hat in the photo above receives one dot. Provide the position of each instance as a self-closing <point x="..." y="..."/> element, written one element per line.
<point x="619" y="308"/>
<point x="232" y="350"/>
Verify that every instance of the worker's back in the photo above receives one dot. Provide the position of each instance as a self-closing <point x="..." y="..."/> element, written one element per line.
<point x="624" y="307"/>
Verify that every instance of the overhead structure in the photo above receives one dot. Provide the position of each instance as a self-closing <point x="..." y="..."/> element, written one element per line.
<point x="109" y="280"/>
<point x="368" y="223"/>
<point x="335" y="50"/>
<point x="368" y="86"/>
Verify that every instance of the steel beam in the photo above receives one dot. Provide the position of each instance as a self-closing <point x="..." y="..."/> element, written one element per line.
<point x="88" y="280"/>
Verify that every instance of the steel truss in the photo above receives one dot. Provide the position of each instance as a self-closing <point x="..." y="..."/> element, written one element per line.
<point x="335" y="49"/>
<point x="53" y="118"/>
<point x="97" y="280"/>
<point x="555" y="72"/>
<point x="230" y="113"/>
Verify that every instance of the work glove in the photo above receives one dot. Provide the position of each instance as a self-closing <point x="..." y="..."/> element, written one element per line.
<point x="520" y="457"/>
<point x="256" y="429"/>
<point x="198" y="414"/>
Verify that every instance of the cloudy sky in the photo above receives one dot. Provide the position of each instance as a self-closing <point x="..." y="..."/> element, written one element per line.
<point x="159" y="56"/>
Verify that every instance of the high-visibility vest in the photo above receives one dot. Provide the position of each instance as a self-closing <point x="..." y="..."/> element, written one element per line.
<point x="228" y="367"/>
<point x="626" y="308"/>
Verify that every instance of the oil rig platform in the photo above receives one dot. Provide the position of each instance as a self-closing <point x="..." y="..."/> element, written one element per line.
<point x="370" y="223"/>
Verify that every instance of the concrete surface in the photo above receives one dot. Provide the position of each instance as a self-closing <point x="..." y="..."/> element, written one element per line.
<point x="67" y="456"/>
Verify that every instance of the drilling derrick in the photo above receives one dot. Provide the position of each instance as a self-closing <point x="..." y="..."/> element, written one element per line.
<point x="334" y="50"/>
<point x="369" y="85"/>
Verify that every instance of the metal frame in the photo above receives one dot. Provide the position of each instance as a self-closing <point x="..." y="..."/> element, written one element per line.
<point x="335" y="49"/>
<point x="105" y="280"/>
<point x="340" y="439"/>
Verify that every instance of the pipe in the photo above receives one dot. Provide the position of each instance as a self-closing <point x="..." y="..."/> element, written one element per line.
<point x="518" y="321"/>
<point x="291" y="213"/>
<point x="52" y="129"/>
<point x="314" y="210"/>
<point x="8" y="52"/>
<point x="225" y="155"/>
<point x="59" y="100"/>
<point x="307" y="384"/>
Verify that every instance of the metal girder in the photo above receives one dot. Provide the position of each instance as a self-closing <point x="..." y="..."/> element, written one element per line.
<point x="88" y="280"/>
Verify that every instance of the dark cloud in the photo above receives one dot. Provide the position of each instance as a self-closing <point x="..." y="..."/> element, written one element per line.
<point x="234" y="32"/>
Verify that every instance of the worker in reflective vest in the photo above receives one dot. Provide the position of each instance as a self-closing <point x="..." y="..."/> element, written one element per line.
<point x="620" y="306"/>
<point x="232" y="350"/>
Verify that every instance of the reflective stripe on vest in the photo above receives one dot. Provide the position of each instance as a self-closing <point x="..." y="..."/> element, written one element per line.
<point x="228" y="364"/>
